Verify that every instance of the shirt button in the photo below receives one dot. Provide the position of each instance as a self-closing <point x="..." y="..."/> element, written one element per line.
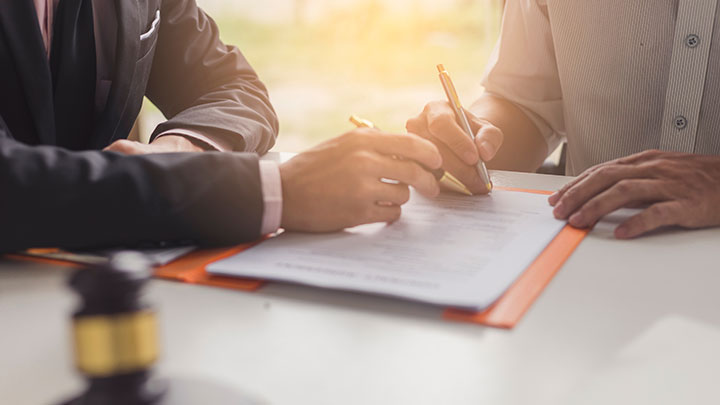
<point x="692" y="40"/>
<point x="680" y="122"/>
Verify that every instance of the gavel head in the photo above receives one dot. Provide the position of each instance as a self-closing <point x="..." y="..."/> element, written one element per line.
<point x="116" y="343"/>
<point x="115" y="331"/>
<point x="114" y="287"/>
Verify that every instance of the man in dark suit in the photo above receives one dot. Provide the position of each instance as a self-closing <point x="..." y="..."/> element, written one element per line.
<point x="73" y="74"/>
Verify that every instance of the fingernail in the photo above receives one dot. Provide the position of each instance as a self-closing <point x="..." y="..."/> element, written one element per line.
<point x="470" y="158"/>
<point x="553" y="198"/>
<point x="559" y="211"/>
<point x="577" y="220"/>
<point x="489" y="150"/>
<point x="621" y="232"/>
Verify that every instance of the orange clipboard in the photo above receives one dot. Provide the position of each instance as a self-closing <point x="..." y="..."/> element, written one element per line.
<point x="187" y="269"/>
<point x="505" y="313"/>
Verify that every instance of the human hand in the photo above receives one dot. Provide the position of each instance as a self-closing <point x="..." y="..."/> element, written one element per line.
<point x="337" y="185"/>
<point x="163" y="144"/>
<point x="460" y="154"/>
<point x="677" y="188"/>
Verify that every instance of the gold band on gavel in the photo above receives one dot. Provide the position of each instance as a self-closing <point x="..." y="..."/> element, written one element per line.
<point x="107" y="345"/>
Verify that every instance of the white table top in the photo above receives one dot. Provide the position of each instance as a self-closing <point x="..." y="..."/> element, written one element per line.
<point x="631" y="321"/>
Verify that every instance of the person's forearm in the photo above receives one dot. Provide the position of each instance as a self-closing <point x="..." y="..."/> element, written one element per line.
<point x="205" y="86"/>
<point x="76" y="200"/>
<point x="524" y="148"/>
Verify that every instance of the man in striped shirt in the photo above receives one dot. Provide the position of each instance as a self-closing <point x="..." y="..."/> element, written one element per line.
<point x="632" y="86"/>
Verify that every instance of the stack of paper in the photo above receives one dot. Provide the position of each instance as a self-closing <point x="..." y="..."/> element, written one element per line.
<point x="452" y="250"/>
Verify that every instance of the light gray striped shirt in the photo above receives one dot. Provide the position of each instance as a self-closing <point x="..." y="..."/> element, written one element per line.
<point x="613" y="77"/>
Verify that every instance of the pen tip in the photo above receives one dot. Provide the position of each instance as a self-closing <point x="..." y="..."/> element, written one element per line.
<point x="440" y="68"/>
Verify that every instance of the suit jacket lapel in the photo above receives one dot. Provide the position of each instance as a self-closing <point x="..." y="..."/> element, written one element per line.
<point x="19" y="22"/>
<point x="127" y="53"/>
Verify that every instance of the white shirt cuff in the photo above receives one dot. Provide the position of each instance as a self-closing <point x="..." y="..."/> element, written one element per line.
<point x="272" y="196"/>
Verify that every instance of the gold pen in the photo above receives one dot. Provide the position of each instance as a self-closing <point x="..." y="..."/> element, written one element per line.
<point x="462" y="118"/>
<point x="441" y="175"/>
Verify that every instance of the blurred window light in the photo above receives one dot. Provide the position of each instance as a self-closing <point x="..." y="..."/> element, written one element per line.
<point x="323" y="60"/>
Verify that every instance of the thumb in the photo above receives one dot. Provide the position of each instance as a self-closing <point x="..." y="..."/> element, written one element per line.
<point x="488" y="141"/>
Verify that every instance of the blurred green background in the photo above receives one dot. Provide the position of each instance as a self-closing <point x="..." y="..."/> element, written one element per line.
<point x="323" y="60"/>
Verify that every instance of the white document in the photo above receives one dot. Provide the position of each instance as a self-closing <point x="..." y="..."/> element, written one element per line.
<point x="158" y="257"/>
<point x="452" y="250"/>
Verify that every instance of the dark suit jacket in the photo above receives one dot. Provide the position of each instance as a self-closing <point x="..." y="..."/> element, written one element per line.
<point x="51" y="196"/>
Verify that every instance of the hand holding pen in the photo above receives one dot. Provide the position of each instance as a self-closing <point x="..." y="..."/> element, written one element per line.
<point x="334" y="185"/>
<point x="445" y="178"/>
<point x="464" y="140"/>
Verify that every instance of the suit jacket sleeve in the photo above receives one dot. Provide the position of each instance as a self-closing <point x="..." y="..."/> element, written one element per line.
<point x="203" y="85"/>
<point x="51" y="197"/>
